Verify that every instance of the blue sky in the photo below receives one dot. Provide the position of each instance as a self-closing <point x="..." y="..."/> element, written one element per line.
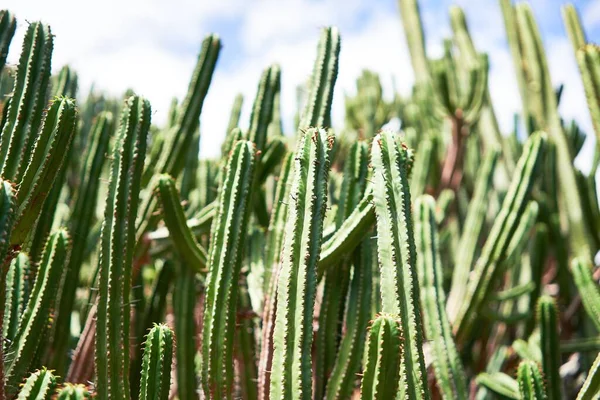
<point x="151" y="46"/>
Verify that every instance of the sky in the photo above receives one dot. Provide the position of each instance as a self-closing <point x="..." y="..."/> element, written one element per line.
<point x="151" y="46"/>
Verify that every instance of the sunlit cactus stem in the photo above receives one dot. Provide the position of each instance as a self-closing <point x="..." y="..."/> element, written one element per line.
<point x="531" y="382"/>
<point x="117" y="246"/>
<point x="397" y="256"/>
<point x="383" y="355"/>
<point x="39" y="385"/>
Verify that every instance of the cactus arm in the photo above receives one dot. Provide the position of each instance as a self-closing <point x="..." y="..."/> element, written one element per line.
<point x="116" y="254"/>
<point x="499" y="383"/>
<point x="337" y="278"/>
<point x="502" y="230"/>
<point x="581" y="270"/>
<point x="15" y="295"/>
<point x="547" y="315"/>
<point x="28" y="100"/>
<point x="273" y="154"/>
<point x="184" y="300"/>
<point x="82" y="367"/>
<point x="81" y="220"/>
<point x="413" y="32"/>
<point x="26" y="344"/>
<point x="588" y="59"/>
<point x="172" y="157"/>
<point x="38" y="386"/>
<point x="591" y="386"/>
<point x="383" y="355"/>
<point x="318" y="105"/>
<point x="275" y="232"/>
<point x="73" y="392"/>
<point x="8" y="25"/>
<point x="397" y="256"/>
<point x="531" y="383"/>
<point x="245" y="351"/>
<point x="182" y="238"/>
<point x="349" y="234"/>
<point x="225" y="262"/>
<point x="65" y="83"/>
<point x="472" y="230"/>
<point x="357" y="316"/>
<point x="423" y="167"/>
<point x="297" y="283"/>
<point x="448" y="368"/>
<point x="156" y="366"/>
<point x="48" y="154"/>
<point x="262" y="109"/>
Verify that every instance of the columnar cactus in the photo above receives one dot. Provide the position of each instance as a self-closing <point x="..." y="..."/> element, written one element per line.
<point x="531" y="382"/>
<point x="397" y="256"/>
<point x="547" y="315"/>
<point x="117" y="246"/>
<point x="291" y="370"/>
<point x="39" y="385"/>
<point x="8" y="25"/>
<point x="156" y="367"/>
<point x="225" y="262"/>
<point x="383" y="355"/>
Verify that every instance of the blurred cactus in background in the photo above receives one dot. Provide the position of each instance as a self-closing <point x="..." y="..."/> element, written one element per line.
<point x="445" y="260"/>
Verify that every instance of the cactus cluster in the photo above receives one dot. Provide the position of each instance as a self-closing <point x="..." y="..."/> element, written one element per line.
<point x="445" y="260"/>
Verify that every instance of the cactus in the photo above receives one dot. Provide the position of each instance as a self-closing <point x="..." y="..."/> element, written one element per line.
<point x="383" y="355"/>
<point x="28" y="101"/>
<point x="531" y="383"/>
<point x="81" y="220"/>
<point x="297" y="281"/>
<point x="46" y="160"/>
<point x="225" y="258"/>
<point x="397" y="256"/>
<point x="591" y="386"/>
<point x="548" y="324"/>
<point x="156" y="367"/>
<point x="73" y="392"/>
<point x="318" y="104"/>
<point x="15" y="295"/>
<point x="588" y="288"/>
<point x="30" y="337"/>
<point x="112" y="331"/>
<point x="446" y="360"/>
<point x="495" y="246"/>
<point x="38" y="385"/>
<point x="8" y="25"/>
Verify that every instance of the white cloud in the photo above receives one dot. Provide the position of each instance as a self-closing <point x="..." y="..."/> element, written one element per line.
<point x="145" y="45"/>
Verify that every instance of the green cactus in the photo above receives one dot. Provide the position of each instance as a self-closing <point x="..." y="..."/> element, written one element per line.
<point x="581" y="270"/>
<point x="262" y="110"/>
<point x="385" y="345"/>
<point x="291" y="375"/>
<point x="225" y="259"/>
<point x="318" y="105"/>
<point x="156" y="367"/>
<point x="73" y="392"/>
<point x="495" y="246"/>
<point x="591" y="386"/>
<point x="38" y="386"/>
<point x="117" y="246"/>
<point x="234" y="120"/>
<point x="447" y="365"/>
<point x="47" y="157"/>
<point x="8" y="26"/>
<point x="531" y="382"/>
<point x="28" y="101"/>
<point x="15" y="295"/>
<point x="397" y="256"/>
<point x="547" y="315"/>
<point x="81" y="219"/>
<point x="30" y="338"/>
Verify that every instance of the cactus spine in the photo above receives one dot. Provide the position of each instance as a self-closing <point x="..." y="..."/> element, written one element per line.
<point x="397" y="256"/>
<point x="156" y="367"/>
<point x="383" y="355"/>
<point x="225" y="262"/>
<point x="117" y="243"/>
<point x="297" y="281"/>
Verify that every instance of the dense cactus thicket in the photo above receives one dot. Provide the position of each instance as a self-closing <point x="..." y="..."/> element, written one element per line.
<point x="447" y="260"/>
